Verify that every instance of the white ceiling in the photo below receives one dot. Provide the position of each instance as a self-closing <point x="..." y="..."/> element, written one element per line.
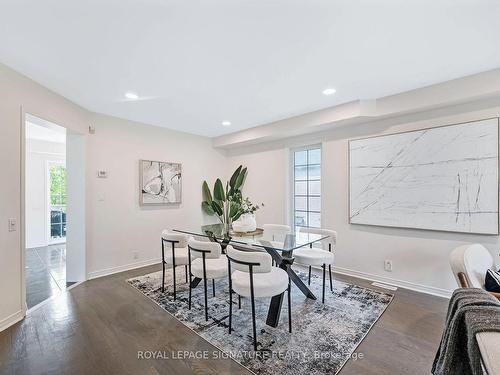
<point x="198" y="63"/>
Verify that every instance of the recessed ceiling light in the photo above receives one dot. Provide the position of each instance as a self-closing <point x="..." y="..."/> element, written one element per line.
<point x="329" y="91"/>
<point x="226" y="123"/>
<point x="131" y="96"/>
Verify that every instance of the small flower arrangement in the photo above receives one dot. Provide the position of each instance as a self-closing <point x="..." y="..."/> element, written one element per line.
<point x="248" y="207"/>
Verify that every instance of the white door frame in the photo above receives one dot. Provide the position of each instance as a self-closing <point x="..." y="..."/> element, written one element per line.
<point x="22" y="222"/>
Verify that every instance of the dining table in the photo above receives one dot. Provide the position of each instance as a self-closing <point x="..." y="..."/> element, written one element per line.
<point x="281" y="250"/>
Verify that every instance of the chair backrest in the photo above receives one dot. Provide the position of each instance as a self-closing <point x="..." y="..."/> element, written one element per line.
<point x="331" y="241"/>
<point x="212" y="250"/>
<point x="180" y="239"/>
<point x="473" y="260"/>
<point x="275" y="232"/>
<point x="261" y="258"/>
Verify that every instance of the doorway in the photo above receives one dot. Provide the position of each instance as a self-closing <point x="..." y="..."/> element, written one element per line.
<point x="45" y="210"/>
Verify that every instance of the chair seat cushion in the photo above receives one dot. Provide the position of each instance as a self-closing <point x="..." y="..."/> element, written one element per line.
<point x="216" y="268"/>
<point x="266" y="284"/>
<point x="181" y="256"/>
<point x="313" y="257"/>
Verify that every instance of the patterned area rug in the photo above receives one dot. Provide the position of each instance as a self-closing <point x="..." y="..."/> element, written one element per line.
<point x="324" y="336"/>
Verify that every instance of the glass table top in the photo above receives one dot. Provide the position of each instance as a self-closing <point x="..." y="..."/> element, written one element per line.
<point x="290" y="242"/>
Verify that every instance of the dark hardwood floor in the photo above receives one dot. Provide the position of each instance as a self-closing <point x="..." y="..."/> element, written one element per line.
<point x="99" y="326"/>
<point x="45" y="273"/>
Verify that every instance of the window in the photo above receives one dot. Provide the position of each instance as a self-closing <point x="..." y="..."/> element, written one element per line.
<point x="307" y="187"/>
<point x="57" y="176"/>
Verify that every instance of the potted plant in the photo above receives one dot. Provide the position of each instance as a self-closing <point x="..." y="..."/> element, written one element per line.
<point x="247" y="222"/>
<point x="225" y="203"/>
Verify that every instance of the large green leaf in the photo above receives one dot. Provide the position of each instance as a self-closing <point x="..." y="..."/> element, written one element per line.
<point x="237" y="216"/>
<point x="219" y="191"/>
<point x="207" y="208"/>
<point x="233" y="209"/>
<point x="241" y="179"/>
<point x="234" y="177"/>
<point x="207" y="195"/>
<point x="217" y="208"/>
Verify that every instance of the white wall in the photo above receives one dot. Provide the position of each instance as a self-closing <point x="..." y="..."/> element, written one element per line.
<point x="39" y="154"/>
<point x="117" y="225"/>
<point x="420" y="258"/>
<point x="267" y="182"/>
<point x="76" y="229"/>
<point x="19" y="93"/>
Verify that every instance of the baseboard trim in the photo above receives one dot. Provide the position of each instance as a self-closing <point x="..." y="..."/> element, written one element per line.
<point x="399" y="283"/>
<point x="11" y="320"/>
<point x="126" y="267"/>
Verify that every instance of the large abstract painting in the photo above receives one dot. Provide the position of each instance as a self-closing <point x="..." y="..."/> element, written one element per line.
<point x="443" y="178"/>
<point x="160" y="182"/>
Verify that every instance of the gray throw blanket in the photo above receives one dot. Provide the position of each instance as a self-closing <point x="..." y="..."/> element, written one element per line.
<point x="470" y="311"/>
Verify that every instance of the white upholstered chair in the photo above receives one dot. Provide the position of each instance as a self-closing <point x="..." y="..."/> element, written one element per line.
<point x="318" y="255"/>
<point x="205" y="261"/>
<point x="251" y="274"/>
<point x="275" y="232"/>
<point x="469" y="264"/>
<point x="173" y="251"/>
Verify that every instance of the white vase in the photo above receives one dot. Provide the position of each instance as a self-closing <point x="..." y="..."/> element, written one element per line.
<point x="246" y="223"/>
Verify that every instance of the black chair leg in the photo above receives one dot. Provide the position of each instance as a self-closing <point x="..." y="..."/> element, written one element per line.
<point x="239" y="302"/>
<point x="213" y="287"/>
<point x="324" y="274"/>
<point x="163" y="265"/>
<point x="173" y="269"/>
<point x="230" y="294"/>
<point x="289" y="306"/>
<point x="254" y="325"/>
<point x="163" y="278"/>
<point x="309" y="280"/>
<point x="330" y="271"/>
<point x="230" y="308"/>
<point x="175" y="289"/>
<point x="206" y="299"/>
<point x="189" y="272"/>
<point x="252" y="297"/>
<point x="186" y="269"/>
<point x="205" y="285"/>
<point x="189" y="303"/>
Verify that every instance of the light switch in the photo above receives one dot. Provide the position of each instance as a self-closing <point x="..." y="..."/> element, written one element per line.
<point x="12" y="225"/>
<point x="101" y="197"/>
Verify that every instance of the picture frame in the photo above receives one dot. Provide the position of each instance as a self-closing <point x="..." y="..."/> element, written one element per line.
<point x="160" y="183"/>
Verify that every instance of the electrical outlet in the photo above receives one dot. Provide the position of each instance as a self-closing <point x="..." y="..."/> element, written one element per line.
<point x="388" y="265"/>
<point x="135" y="254"/>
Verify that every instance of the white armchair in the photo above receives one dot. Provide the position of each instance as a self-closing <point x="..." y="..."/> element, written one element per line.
<point x="205" y="262"/>
<point x="318" y="257"/>
<point x="469" y="264"/>
<point x="252" y="275"/>
<point x="275" y="232"/>
<point x="175" y="253"/>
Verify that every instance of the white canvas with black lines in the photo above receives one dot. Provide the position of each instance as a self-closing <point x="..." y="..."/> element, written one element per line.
<point x="160" y="182"/>
<point x="443" y="178"/>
